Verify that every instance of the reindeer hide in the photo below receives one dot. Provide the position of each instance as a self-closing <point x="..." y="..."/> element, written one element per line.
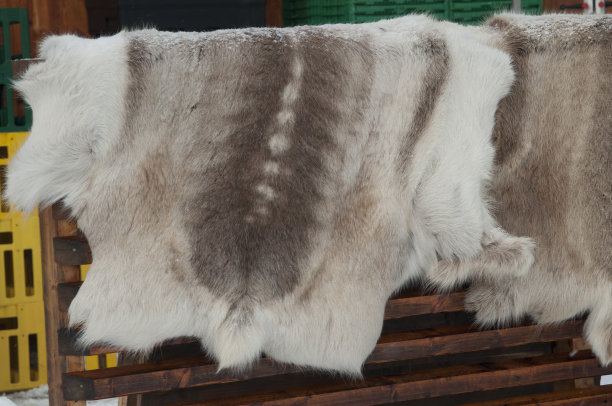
<point x="553" y="174"/>
<point x="267" y="190"/>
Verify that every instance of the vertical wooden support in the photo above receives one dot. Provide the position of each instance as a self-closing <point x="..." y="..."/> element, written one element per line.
<point x="128" y="359"/>
<point x="51" y="225"/>
<point x="274" y="13"/>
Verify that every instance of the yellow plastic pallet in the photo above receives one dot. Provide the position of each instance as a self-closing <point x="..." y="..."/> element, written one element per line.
<point x="21" y="268"/>
<point x="23" y="355"/>
<point x="22" y="325"/>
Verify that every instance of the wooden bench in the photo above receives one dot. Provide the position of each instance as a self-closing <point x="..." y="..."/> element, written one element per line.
<point x="429" y="353"/>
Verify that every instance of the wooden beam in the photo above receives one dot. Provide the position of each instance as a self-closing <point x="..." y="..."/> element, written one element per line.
<point x="585" y="397"/>
<point x="458" y="339"/>
<point x="401" y="346"/>
<point x="419" y="305"/>
<point x="53" y="274"/>
<point x="404" y="346"/>
<point x="73" y="250"/>
<point x="274" y="13"/>
<point x="65" y="293"/>
<point x="184" y="373"/>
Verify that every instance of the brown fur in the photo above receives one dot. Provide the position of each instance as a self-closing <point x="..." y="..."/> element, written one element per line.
<point x="553" y="180"/>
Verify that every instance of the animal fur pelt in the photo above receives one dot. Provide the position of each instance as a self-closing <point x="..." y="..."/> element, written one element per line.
<point x="553" y="174"/>
<point x="267" y="190"/>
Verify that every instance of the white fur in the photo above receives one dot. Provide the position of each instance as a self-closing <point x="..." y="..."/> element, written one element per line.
<point x="78" y="98"/>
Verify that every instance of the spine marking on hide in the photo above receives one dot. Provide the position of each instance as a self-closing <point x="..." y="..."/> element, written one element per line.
<point x="279" y="142"/>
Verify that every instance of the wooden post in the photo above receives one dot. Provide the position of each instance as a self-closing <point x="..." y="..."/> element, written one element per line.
<point x="52" y="225"/>
<point x="274" y="13"/>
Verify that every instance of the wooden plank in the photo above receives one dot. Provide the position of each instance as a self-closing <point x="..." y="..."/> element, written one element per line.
<point x="418" y="305"/>
<point x="585" y="396"/>
<point x="137" y="379"/>
<point x="164" y="375"/>
<point x="402" y="346"/>
<point x="432" y="383"/>
<point x="311" y="378"/>
<point x="54" y="273"/>
<point x="274" y="13"/>
<point x="73" y="250"/>
<point x="65" y="293"/>
<point x="457" y="339"/>
<point x="68" y="344"/>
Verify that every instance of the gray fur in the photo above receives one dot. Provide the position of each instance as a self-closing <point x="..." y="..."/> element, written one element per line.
<point x="267" y="190"/>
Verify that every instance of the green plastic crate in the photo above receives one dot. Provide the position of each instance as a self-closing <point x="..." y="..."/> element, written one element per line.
<point x="14" y="115"/>
<point x="306" y="12"/>
<point x="298" y="12"/>
<point x="8" y="18"/>
<point x="368" y="10"/>
<point x="531" y="6"/>
<point x="476" y="12"/>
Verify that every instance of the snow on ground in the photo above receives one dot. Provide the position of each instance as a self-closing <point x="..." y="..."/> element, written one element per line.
<point x="39" y="397"/>
<point x="606" y="380"/>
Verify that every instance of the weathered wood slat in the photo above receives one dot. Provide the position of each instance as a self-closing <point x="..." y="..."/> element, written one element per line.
<point x="432" y="383"/>
<point x="164" y="375"/>
<point x="53" y="275"/>
<point x="65" y="293"/>
<point x="68" y="344"/>
<point x="72" y="250"/>
<point x="418" y="305"/>
<point x="584" y="397"/>
<point x="457" y="339"/>
<point x="403" y="346"/>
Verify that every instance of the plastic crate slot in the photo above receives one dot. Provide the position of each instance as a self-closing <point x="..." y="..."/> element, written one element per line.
<point x="9" y="323"/>
<point x="14" y="358"/>
<point x="92" y="362"/>
<point x="102" y="361"/>
<point x="3" y="107"/>
<point x="28" y="263"/>
<point x="33" y="351"/>
<point x="9" y="274"/>
<point x="15" y="40"/>
<point x="19" y="109"/>
<point x="3" y="153"/>
<point x="6" y="238"/>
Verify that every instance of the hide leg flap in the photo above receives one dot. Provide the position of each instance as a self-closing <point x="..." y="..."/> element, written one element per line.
<point x="502" y="256"/>
<point x="496" y="304"/>
<point x="598" y="330"/>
